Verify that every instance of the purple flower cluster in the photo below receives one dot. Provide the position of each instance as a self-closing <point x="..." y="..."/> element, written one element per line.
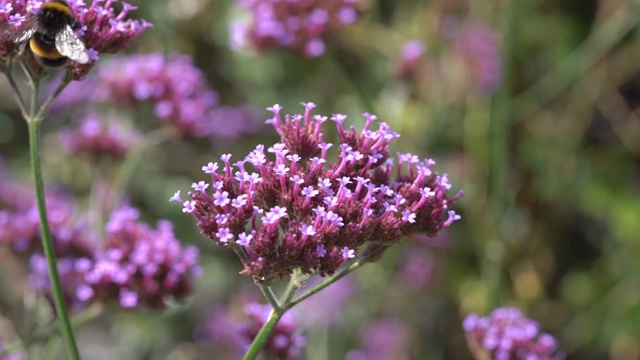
<point x="478" y="46"/>
<point x="386" y="338"/>
<point x="412" y="52"/>
<point x="417" y="269"/>
<point x="223" y="329"/>
<point x="506" y="334"/>
<point x="299" y="25"/>
<point x="303" y="210"/>
<point x="103" y="30"/>
<point x="135" y="264"/>
<point x="20" y="226"/>
<point x="327" y="307"/>
<point x="93" y="139"/>
<point x="175" y="87"/>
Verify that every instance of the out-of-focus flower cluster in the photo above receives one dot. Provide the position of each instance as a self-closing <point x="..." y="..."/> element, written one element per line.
<point x="302" y="26"/>
<point x="223" y="329"/>
<point x="386" y="338"/>
<point x="134" y="264"/>
<point x="506" y="334"/>
<point x="478" y="46"/>
<point x="473" y="58"/>
<point x="325" y="308"/>
<point x="103" y="30"/>
<point x="303" y="210"/>
<point x="176" y="89"/>
<point x="92" y="139"/>
<point x="410" y="57"/>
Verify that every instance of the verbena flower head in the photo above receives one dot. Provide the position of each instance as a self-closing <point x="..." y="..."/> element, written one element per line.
<point x="94" y="139"/>
<point x="176" y="89"/>
<point x="136" y="265"/>
<point x="20" y="226"/>
<point x="103" y="29"/>
<point x="506" y="334"/>
<point x="412" y="53"/>
<point x="296" y="205"/>
<point x="478" y="46"/>
<point x="302" y="26"/>
<point x="326" y="307"/>
<point x="386" y="338"/>
<point x="417" y="267"/>
<point x="133" y="264"/>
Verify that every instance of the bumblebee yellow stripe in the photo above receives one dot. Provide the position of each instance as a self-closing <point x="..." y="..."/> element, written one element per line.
<point x="43" y="52"/>
<point x="59" y="6"/>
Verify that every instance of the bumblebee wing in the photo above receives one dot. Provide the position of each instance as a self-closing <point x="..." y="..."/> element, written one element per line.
<point x="22" y="32"/>
<point x="69" y="45"/>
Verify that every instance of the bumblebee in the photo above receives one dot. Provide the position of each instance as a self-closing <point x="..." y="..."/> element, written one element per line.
<point x="50" y="35"/>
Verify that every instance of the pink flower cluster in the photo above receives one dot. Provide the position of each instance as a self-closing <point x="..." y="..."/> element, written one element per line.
<point x="303" y="210"/>
<point x="478" y="46"/>
<point x="299" y="25"/>
<point x="93" y="139"/>
<point x="133" y="263"/>
<point x="506" y="334"/>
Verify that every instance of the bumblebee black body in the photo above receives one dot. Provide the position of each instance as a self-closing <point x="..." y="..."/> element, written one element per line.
<point x="52" y="18"/>
<point x="44" y="51"/>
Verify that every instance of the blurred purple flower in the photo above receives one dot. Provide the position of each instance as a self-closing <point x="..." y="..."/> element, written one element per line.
<point x="93" y="139"/>
<point x="235" y="334"/>
<point x="417" y="268"/>
<point x="385" y="339"/>
<point x="134" y="264"/>
<point x="325" y="307"/>
<point x="478" y="46"/>
<point x="229" y="122"/>
<point x="103" y="31"/>
<point x="221" y="331"/>
<point x="327" y="209"/>
<point x="20" y="226"/>
<point x="302" y="26"/>
<point x="176" y="89"/>
<point x="506" y="334"/>
<point x="412" y="53"/>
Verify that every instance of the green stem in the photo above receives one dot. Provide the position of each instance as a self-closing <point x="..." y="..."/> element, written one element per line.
<point x="45" y="106"/>
<point x="344" y="272"/>
<point x="277" y="312"/>
<point x="270" y="296"/>
<point x="47" y="241"/>
<point x="263" y="336"/>
<point x="22" y="104"/>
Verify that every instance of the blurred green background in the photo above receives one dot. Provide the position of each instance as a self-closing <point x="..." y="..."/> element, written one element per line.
<point x="549" y="162"/>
